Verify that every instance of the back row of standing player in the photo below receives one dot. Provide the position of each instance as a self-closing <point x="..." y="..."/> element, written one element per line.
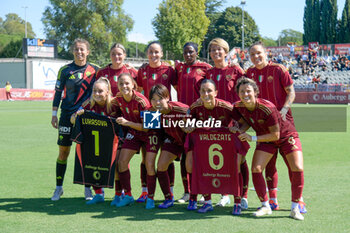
<point x="274" y="83"/>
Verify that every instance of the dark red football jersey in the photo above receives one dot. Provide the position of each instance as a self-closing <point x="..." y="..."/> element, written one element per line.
<point x="148" y="77"/>
<point x="214" y="162"/>
<point x="272" y="81"/>
<point x="222" y="112"/>
<point x="225" y="80"/>
<point x="188" y="81"/>
<point x="114" y="111"/>
<point x="264" y="116"/>
<point x="131" y="111"/>
<point x="112" y="75"/>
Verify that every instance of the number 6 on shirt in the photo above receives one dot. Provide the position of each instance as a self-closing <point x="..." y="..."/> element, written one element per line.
<point x="213" y="153"/>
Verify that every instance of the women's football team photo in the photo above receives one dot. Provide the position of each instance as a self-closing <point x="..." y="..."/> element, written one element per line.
<point x="258" y="98"/>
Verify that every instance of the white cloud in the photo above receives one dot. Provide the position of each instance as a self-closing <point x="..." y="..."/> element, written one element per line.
<point x="141" y="38"/>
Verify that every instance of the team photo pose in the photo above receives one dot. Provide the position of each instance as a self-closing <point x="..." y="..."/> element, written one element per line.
<point x="275" y="85"/>
<point x="149" y="75"/>
<point x="225" y="77"/>
<point x="75" y="80"/>
<point x="100" y="102"/>
<point x="173" y="138"/>
<point x="189" y="75"/>
<point x="131" y="104"/>
<point x="209" y="106"/>
<point x="273" y="134"/>
<point x="117" y="66"/>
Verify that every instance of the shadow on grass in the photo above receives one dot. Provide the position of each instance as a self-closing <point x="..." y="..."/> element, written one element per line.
<point x="135" y="212"/>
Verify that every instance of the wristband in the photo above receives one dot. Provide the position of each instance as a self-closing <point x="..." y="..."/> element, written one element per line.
<point x="54" y="112"/>
<point x="254" y="138"/>
<point x="284" y="110"/>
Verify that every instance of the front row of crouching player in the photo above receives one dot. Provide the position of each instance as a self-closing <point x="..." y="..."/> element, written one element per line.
<point x="272" y="134"/>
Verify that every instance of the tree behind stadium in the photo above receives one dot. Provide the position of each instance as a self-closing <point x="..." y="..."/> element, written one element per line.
<point x="311" y="21"/>
<point x="212" y="11"/>
<point x="328" y="25"/>
<point x="290" y="35"/>
<point x="101" y="22"/>
<point x="12" y="30"/>
<point x="180" y="21"/>
<point x="229" y="27"/>
<point x="344" y="28"/>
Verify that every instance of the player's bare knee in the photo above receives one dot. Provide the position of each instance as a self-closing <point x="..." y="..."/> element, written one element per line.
<point x="297" y="168"/>
<point x="257" y="169"/>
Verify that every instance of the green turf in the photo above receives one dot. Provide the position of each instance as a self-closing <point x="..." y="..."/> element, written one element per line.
<point x="27" y="169"/>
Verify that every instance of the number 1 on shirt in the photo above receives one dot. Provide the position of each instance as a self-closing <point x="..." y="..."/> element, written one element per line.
<point x="97" y="142"/>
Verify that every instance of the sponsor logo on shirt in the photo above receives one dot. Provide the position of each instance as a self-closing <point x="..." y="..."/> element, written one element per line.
<point x="261" y="121"/>
<point x="167" y="140"/>
<point x="64" y="130"/>
<point x="129" y="136"/>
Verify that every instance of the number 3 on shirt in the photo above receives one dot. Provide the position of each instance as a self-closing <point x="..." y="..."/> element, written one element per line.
<point x="97" y="142"/>
<point x="213" y="153"/>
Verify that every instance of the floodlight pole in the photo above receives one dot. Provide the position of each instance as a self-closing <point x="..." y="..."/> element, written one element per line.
<point x="242" y="4"/>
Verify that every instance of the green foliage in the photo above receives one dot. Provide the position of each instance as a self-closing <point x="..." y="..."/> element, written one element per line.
<point x="14" y="25"/>
<point x="101" y="22"/>
<point x="290" y="35"/>
<point x="344" y="26"/>
<point x="229" y="27"/>
<point x="311" y="21"/>
<point x="5" y="39"/>
<point x="12" y="49"/>
<point x="180" y="21"/>
<point x="131" y="49"/>
<point x="269" y="42"/>
<point x="212" y="12"/>
<point x="328" y="16"/>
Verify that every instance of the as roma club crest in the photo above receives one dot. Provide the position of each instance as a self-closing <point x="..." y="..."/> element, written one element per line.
<point x="165" y="76"/>
<point x="292" y="142"/>
<point x="270" y="79"/>
<point x="228" y="77"/>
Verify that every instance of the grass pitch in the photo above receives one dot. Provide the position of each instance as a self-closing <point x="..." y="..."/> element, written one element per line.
<point x="27" y="169"/>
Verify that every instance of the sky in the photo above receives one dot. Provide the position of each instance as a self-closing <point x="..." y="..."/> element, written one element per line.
<point x="271" y="16"/>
